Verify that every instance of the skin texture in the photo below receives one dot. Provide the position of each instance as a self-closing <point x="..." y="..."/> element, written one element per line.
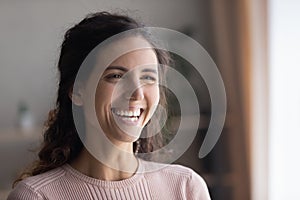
<point x="132" y="91"/>
<point x="128" y="85"/>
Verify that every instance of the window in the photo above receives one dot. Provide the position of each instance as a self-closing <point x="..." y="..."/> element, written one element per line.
<point x="284" y="101"/>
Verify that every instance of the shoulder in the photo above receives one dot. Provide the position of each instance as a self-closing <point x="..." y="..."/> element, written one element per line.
<point x="195" y="185"/>
<point x="182" y="178"/>
<point x="174" y="170"/>
<point x="184" y="174"/>
<point x="30" y="188"/>
<point x="23" y="191"/>
<point x="180" y="170"/>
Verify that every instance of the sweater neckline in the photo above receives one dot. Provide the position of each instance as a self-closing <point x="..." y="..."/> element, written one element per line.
<point x="121" y="183"/>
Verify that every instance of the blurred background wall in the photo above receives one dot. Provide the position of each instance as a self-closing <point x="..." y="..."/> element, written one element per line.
<point x="32" y="31"/>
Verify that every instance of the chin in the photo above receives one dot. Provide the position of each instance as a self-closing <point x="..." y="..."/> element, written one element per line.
<point x="129" y="138"/>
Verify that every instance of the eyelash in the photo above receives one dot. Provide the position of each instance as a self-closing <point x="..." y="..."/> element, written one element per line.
<point x="115" y="77"/>
<point x="150" y="78"/>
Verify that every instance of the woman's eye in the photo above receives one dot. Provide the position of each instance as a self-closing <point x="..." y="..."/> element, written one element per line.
<point x="148" y="78"/>
<point x="114" y="76"/>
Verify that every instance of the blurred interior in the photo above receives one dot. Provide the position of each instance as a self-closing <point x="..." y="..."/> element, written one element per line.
<point x="233" y="32"/>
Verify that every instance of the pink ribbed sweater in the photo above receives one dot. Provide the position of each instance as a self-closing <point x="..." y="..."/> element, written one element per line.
<point x="66" y="183"/>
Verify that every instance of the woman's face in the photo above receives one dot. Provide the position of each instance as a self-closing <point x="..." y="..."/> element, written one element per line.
<point x="127" y="95"/>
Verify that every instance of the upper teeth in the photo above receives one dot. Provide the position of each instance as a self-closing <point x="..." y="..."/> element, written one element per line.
<point x="128" y="113"/>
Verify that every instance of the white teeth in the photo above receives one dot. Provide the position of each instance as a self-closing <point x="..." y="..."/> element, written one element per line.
<point x="133" y="119"/>
<point x="128" y="113"/>
<point x="137" y="112"/>
<point x="130" y="119"/>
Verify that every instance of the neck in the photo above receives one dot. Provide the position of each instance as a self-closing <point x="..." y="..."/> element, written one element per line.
<point x="109" y="159"/>
<point x="90" y="166"/>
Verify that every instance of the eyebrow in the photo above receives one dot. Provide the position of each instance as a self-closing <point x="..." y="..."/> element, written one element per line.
<point x="150" y="70"/>
<point x="116" y="67"/>
<point x="126" y="70"/>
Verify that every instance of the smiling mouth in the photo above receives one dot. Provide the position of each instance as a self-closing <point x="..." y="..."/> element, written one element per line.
<point x="130" y="116"/>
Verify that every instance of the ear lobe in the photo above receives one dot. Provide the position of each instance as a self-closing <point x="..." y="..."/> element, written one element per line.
<point x="76" y="97"/>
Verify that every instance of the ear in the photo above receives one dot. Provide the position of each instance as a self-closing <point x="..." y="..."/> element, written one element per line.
<point x="76" y="96"/>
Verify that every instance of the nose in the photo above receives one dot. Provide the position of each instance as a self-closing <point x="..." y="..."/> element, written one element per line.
<point x="135" y="91"/>
<point x="137" y="94"/>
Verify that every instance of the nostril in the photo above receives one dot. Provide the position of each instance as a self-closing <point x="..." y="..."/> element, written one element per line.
<point x="136" y="95"/>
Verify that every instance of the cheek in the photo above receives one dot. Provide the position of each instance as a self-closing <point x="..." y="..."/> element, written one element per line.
<point x="153" y="101"/>
<point x="154" y="96"/>
<point x="103" y="97"/>
<point x="104" y="91"/>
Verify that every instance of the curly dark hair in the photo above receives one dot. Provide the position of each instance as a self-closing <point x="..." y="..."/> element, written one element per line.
<point x="61" y="143"/>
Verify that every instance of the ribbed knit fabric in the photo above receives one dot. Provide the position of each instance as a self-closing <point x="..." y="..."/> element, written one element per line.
<point x="65" y="183"/>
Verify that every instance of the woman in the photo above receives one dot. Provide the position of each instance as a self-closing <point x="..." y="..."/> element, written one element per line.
<point x="93" y="165"/>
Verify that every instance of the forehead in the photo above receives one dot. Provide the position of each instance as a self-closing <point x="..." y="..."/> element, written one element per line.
<point x="131" y="51"/>
<point x="137" y="58"/>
